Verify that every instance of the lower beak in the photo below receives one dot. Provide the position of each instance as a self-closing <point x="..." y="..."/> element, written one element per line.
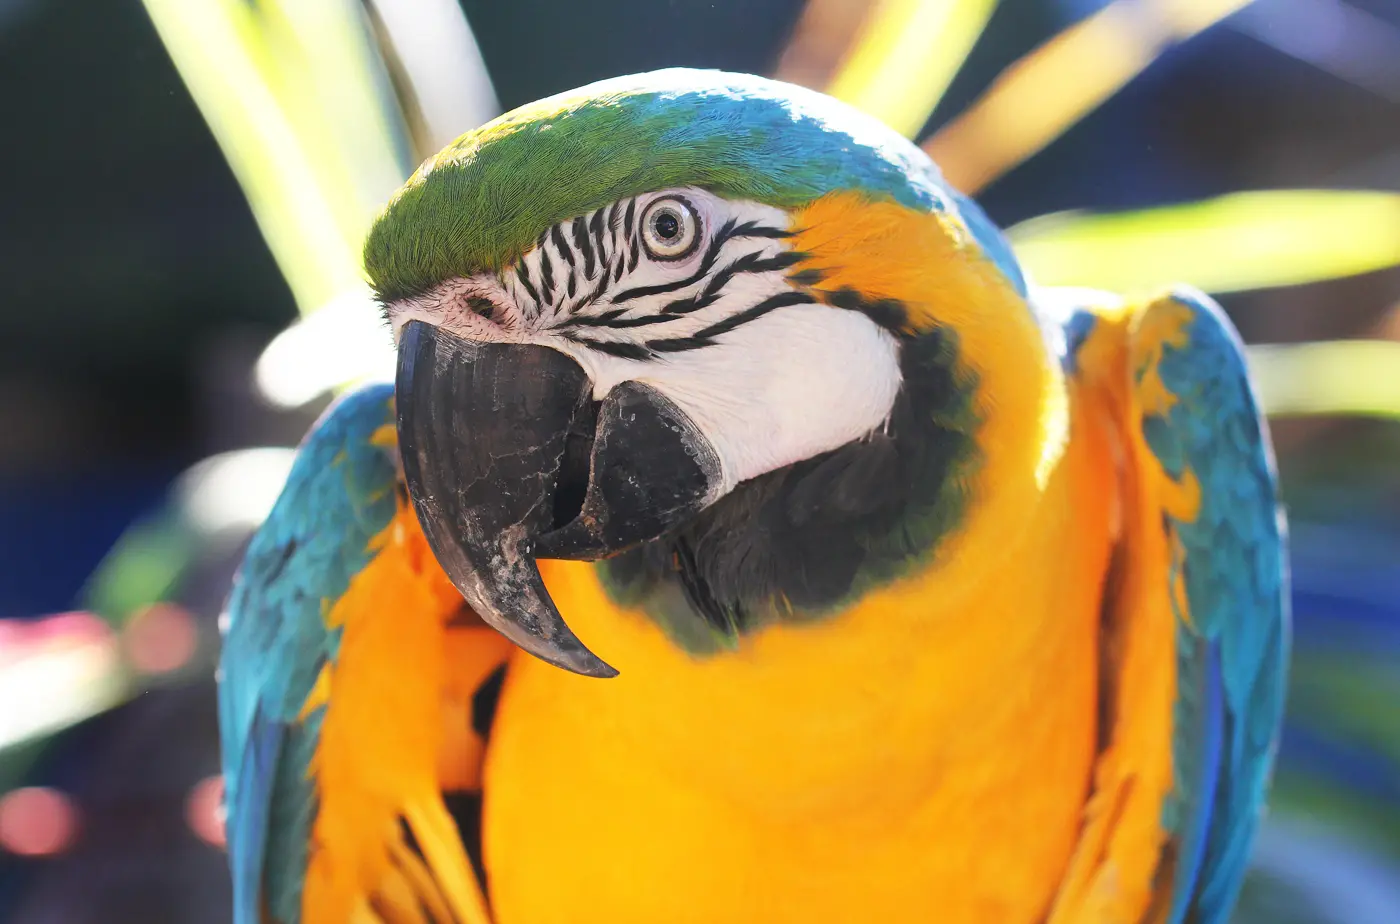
<point x="507" y="458"/>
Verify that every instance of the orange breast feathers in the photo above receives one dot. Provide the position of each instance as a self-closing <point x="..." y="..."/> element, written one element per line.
<point x="395" y="734"/>
<point x="924" y="755"/>
<point x="1117" y="871"/>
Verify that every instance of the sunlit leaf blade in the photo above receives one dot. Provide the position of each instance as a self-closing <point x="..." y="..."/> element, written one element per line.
<point x="1039" y="97"/>
<point x="1342" y="377"/>
<point x="54" y="672"/>
<point x="443" y="83"/>
<point x="905" y="55"/>
<point x="143" y="566"/>
<point x="1239" y="241"/>
<point x="297" y="368"/>
<point x="821" y="41"/>
<point x="210" y="511"/>
<point x="295" y="95"/>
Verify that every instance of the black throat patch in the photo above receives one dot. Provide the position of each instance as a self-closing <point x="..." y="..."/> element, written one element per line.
<point x="807" y="539"/>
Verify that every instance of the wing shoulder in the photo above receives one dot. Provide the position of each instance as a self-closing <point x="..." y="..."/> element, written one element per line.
<point x="1196" y="616"/>
<point x="339" y="495"/>
<point x="1202" y="422"/>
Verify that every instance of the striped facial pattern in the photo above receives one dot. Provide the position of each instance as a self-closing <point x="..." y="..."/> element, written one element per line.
<point x="692" y="294"/>
<point x="637" y="279"/>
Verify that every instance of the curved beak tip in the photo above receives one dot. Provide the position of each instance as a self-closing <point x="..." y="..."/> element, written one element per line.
<point x="482" y="428"/>
<point x="589" y="665"/>
<point x="485" y="430"/>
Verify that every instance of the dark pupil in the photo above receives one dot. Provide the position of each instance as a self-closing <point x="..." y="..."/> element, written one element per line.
<point x="667" y="225"/>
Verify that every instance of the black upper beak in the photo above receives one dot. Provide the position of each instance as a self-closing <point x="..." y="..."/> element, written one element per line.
<point x="500" y="444"/>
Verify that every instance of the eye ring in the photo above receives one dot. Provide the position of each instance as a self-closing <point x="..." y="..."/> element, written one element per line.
<point x="670" y="229"/>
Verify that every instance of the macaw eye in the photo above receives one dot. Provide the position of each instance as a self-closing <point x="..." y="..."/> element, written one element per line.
<point x="670" y="229"/>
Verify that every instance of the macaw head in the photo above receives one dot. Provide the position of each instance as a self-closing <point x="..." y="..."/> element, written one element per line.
<point x="671" y="305"/>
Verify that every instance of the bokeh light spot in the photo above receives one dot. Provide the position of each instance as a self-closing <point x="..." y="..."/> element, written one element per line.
<point x="37" y="822"/>
<point x="204" y="812"/>
<point x="160" y="638"/>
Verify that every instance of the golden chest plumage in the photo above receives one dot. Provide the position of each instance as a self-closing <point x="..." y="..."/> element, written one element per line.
<point x="921" y="757"/>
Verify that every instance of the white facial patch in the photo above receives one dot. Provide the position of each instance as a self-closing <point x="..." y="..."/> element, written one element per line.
<point x="795" y="383"/>
<point x="768" y="375"/>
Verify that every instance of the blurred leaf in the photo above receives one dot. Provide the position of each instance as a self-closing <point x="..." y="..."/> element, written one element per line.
<point x="1317" y="798"/>
<point x="15" y="761"/>
<point x="1039" y="97"/>
<point x="142" y="568"/>
<point x="54" y="672"/>
<point x="821" y="41"/>
<point x="1353" y="377"/>
<point x="436" y="62"/>
<point x="212" y="508"/>
<point x="296" y="368"/>
<point x="1349" y="696"/>
<point x="905" y="56"/>
<point x="1307" y="871"/>
<point x="297" y="97"/>
<point x="1246" y="240"/>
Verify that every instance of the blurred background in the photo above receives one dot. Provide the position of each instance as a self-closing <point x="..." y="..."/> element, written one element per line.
<point x="183" y="189"/>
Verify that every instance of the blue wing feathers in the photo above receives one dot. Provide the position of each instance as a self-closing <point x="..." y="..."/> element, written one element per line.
<point x="248" y="815"/>
<point x="339" y="495"/>
<point x="1204" y="772"/>
<point x="1235" y="578"/>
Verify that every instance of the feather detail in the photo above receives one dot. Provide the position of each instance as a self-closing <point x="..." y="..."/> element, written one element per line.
<point x="250" y="817"/>
<point x="437" y="836"/>
<point x="382" y="739"/>
<point x="349" y="671"/>
<point x="1196" y="617"/>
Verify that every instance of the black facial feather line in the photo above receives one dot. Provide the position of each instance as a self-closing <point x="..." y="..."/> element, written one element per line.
<point x="606" y="245"/>
<point x="798" y="541"/>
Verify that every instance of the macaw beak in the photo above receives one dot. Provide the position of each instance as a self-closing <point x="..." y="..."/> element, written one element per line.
<point x="508" y="459"/>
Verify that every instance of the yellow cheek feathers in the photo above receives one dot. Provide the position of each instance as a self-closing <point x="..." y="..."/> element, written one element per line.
<point x="883" y="250"/>
<point x="931" y="266"/>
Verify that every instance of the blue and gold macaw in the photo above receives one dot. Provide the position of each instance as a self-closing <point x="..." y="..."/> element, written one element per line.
<point x="849" y="577"/>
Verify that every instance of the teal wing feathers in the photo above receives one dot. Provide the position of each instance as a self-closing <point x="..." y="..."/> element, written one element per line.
<point x="1231" y="560"/>
<point x="340" y="495"/>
